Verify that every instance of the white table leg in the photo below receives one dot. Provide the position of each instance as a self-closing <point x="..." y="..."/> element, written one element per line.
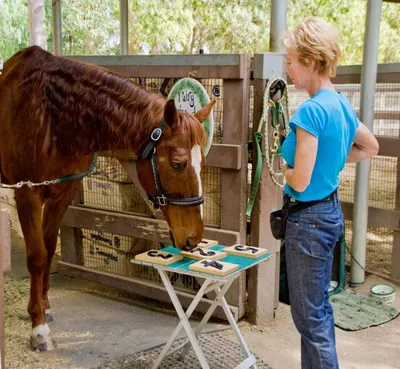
<point x="184" y="321"/>
<point x="214" y="305"/>
<point x="238" y="335"/>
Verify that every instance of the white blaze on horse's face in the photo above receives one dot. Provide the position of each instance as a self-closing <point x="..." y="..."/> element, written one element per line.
<point x="196" y="164"/>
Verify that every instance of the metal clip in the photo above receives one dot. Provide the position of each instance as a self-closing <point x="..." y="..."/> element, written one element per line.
<point x="162" y="200"/>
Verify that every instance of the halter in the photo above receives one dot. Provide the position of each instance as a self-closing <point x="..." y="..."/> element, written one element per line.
<point x="161" y="199"/>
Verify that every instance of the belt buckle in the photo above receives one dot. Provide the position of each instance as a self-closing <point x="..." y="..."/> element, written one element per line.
<point x="291" y="199"/>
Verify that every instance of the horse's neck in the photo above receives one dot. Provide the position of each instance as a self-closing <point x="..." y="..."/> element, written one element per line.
<point x="132" y="131"/>
<point x="112" y="114"/>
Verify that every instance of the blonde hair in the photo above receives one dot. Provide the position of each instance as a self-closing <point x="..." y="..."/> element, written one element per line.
<point x="315" y="39"/>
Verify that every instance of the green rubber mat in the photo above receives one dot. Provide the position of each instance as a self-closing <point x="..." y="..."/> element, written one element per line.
<point x="353" y="312"/>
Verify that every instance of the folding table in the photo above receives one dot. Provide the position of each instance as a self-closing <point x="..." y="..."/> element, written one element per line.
<point x="211" y="283"/>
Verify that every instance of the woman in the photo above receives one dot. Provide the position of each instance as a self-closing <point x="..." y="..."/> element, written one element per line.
<point x="325" y="133"/>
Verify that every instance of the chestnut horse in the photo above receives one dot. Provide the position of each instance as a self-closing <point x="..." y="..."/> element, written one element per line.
<point x="56" y="113"/>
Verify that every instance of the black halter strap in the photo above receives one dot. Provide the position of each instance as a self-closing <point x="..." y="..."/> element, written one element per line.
<point x="161" y="199"/>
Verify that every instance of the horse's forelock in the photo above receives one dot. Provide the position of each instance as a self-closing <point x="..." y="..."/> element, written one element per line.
<point x="192" y="129"/>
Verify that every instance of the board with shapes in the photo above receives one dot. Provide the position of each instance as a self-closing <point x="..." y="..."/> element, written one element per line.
<point x="246" y="251"/>
<point x="219" y="268"/>
<point x="200" y="253"/>
<point x="158" y="257"/>
<point x="205" y="243"/>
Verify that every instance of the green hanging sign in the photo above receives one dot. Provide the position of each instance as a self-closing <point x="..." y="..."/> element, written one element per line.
<point x="191" y="96"/>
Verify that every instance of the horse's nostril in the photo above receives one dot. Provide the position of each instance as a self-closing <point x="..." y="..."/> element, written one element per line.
<point x="188" y="245"/>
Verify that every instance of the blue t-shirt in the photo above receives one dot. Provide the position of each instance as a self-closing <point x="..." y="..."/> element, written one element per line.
<point x="328" y="116"/>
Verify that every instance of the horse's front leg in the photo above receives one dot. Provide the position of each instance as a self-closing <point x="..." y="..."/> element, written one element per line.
<point x="29" y="206"/>
<point x="54" y="210"/>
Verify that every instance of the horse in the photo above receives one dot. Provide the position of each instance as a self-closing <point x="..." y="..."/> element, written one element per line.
<point x="55" y="115"/>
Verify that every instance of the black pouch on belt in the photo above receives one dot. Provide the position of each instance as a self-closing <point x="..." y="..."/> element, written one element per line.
<point x="278" y="218"/>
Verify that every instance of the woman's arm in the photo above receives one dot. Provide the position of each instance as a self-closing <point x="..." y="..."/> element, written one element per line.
<point x="306" y="152"/>
<point x="365" y="145"/>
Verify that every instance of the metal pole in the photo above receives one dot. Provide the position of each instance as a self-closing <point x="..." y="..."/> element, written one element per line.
<point x="368" y="81"/>
<point x="278" y="25"/>
<point x="123" y="21"/>
<point x="37" y="28"/>
<point x="57" y="27"/>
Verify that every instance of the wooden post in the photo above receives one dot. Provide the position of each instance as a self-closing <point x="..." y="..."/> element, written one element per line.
<point x="5" y="240"/>
<point x="234" y="182"/>
<point x="263" y="286"/>
<point x="71" y="239"/>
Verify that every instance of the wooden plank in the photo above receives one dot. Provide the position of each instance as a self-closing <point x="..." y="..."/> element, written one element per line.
<point x="389" y="146"/>
<point x="385" y="218"/>
<point x="139" y="287"/>
<point x="246" y="251"/>
<point x="202" y="253"/>
<point x="383" y="114"/>
<point x="220" y="156"/>
<point x="223" y="66"/>
<point x="179" y="60"/>
<point x="234" y="182"/>
<point x="158" y="257"/>
<point x="225" y="156"/>
<point x="387" y="73"/>
<point x="263" y="285"/>
<point x="126" y="224"/>
<point x="226" y="72"/>
<point x="119" y="223"/>
<point x="214" y="267"/>
<point x="130" y="167"/>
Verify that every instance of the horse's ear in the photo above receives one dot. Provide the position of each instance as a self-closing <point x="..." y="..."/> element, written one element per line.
<point x="170" y="113"/>
<point x="202" y="114"/>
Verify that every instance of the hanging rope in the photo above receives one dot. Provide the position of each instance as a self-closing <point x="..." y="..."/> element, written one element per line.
<point x="274" y="93"/>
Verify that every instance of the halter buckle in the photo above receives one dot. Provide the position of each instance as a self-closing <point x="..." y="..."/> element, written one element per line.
<point x="161" y="200"/>
<point x="156" y="134"/>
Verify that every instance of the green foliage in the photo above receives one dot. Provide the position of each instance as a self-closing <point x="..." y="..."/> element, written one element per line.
<point x="13" y="27"/>
<point x="185" y="26"/>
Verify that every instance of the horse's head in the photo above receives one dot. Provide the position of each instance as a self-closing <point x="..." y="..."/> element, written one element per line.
<point x="169" y="171"/>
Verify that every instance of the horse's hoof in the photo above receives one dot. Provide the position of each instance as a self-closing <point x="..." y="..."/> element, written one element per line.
<point x="46" y="346"/>
<point x="49" y="317"/>
<point x="41" y="340"/>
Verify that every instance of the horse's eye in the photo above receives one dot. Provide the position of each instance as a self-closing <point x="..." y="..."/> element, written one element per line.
<point x="178" y="167"/>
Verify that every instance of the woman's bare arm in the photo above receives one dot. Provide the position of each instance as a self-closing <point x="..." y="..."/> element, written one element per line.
<point x="365" y="145"/>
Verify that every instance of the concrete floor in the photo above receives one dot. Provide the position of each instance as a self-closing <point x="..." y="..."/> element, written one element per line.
<point x="94" y="324"/>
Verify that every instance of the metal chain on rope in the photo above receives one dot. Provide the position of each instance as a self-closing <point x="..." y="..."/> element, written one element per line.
<point x="278" y="122"/>
<point x="53" y="181"/>
<point x="274" y="94"/>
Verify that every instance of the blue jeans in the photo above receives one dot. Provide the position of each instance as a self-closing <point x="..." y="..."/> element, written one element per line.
<point x="311" y="235"/>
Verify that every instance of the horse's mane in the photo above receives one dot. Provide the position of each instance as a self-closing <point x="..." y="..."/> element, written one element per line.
<point x="89" y="108"/>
